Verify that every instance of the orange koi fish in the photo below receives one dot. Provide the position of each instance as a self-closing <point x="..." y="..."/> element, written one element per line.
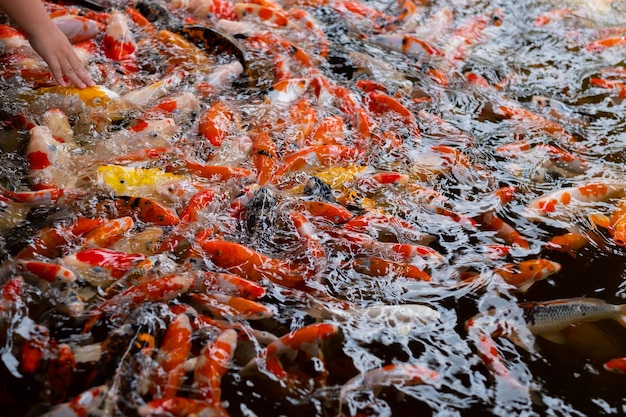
<point x="144" y="209"/>
<point x="306" y="339"/>
<point x="616" y="365"/>
<point x="525" y="273"/>
<point x="51" y="242"/>
<point x="264" y="157"/>
<point x="230" y="306"/>
<point x="216" y="122"/>
<point x="241" y="260"/>
<point x="108" y="233"/>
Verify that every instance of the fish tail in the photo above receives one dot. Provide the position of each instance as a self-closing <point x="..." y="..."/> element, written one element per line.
<point x="622" y="315"/>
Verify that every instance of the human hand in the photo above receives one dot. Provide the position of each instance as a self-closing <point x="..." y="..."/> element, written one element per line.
<point x="59" y="54"/>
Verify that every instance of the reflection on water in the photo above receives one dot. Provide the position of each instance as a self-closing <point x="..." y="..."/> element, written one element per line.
<point x="387" y="180"/>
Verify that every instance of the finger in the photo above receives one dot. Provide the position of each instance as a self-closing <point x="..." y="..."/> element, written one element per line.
<point x="57" y="73"/>
<point x="73" y="78"/>
<point x="80" y="73"/>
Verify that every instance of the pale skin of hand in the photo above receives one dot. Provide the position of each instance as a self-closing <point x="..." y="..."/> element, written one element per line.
<point x="48" y="41"/>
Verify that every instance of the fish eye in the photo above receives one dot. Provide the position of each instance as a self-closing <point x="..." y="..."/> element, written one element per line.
<point x="96" y="101"/>
<point x="122" y="181"/>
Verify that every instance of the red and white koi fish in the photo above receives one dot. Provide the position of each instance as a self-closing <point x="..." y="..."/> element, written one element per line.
<point x="59" y="124"/>
<point x="161" y="289"/>
<point x="12" y="39"/>
<point x="525" y="273"/>
<point x="179" y="107"/>
<point x="271" y="16"/>
<point x="77" y="28"/>
<point x="145" y="96"/>
<point x="179" y="407"/>
<point x="401" y="374"/>
<point x="83" y="404"/>
<point x="555" y="201"/>
<point x="548" y="318"/>
<point x="119" y="42"/>
<point x="212" y="364"/>
<point x="49" y="160"/>
<point x="220" y="78"/>
<point x="50" y="272"/>
<point x="172" y="355"/>
<point x="100" y="266"/>
<point x="407" y="44"/>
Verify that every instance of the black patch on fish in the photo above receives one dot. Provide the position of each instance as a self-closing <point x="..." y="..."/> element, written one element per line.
<point x="318" y="189"/>
<point x="261" y="214"/>
<point x="158" y="14"/>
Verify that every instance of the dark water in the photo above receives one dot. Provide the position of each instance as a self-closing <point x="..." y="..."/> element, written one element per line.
<point x="533" y="55"/>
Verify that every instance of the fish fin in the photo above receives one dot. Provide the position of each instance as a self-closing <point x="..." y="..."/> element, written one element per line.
<point x="525" y="287"/>
<point x="554" y="337"/>
<point x="622" y="318"/>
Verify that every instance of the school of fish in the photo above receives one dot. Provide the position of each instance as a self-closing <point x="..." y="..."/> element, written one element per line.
<point x="316" y="207"/>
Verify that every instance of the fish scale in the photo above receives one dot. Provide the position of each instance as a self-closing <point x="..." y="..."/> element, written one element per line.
<point x="556" y="315"/>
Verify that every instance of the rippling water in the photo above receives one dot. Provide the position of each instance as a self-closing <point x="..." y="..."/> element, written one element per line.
<point x="533" y="55"/>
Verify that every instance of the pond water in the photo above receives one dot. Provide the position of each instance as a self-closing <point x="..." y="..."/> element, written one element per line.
<point x="321" y="208"/>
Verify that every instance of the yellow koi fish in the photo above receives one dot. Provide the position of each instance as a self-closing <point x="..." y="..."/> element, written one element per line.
<point x="132" y="180"/>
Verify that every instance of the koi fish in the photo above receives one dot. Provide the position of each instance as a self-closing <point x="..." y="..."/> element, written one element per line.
<point x="48" y="159"/>
<point x="119" y="42"/>
<point x="525" y="273"/>
<point x="307" y="340"/>
<point x="145" y="209"/>
<point x="83" y="404"/>
<point x="548" y="318"/>
<point x="133" y="181"/>
<point x="77" y="28"/>
<point x="556" y="201"/>
<point x="401" y="374"/>
<point x="172" y="354"/>
<point x="401" y="317"/>
<point x="616" y="365"/>
<point x="100" y="266"/>
<point x="212" y="364"/>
